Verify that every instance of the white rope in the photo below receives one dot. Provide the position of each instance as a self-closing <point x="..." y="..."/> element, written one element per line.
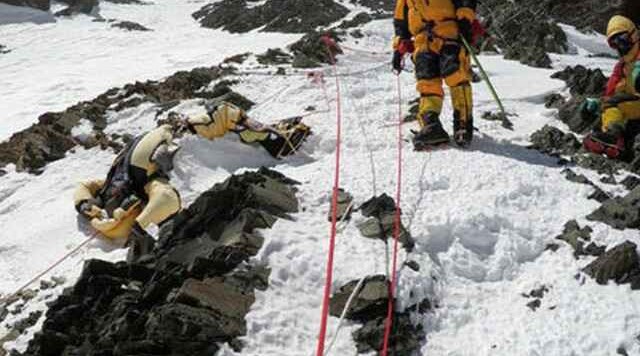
<point x="344" y="313"/>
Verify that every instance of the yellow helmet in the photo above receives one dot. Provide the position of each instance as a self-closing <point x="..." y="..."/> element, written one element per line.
<point x="620" y="24"/>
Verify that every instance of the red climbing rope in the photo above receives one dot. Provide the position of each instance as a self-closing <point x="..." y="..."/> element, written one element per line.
<point x="330" y="44"/>
<point x="396" y="230"/>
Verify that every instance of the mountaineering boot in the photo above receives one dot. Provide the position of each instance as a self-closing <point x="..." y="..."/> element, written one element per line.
<point x="140" y="243"/>
<point x="607" y="142"/>
<point x="431" y="134"/>
<point x="462" y="130"/>
<point x="462" y="114"/>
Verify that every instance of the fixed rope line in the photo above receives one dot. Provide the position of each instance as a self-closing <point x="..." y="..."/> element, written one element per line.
<point x="334" y="208"/>
<point x="342" y="226"/>
<point x="396" y="229"/>
<point x="49" y="269"/>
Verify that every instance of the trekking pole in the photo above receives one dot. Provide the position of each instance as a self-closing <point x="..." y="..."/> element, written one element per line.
<point x="506" y="123"/>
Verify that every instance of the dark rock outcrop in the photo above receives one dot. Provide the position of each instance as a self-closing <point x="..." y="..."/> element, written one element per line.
<point x="4" y="49"/>
<point x="274" y="56"/>
<point x="344" y="206"/>
<point x="620" y="264"/>
<point x="381" y="8"/>
<point x="371" y="301"/>
<point x="578" y="238"/>
<point x="87" y="7"/>
<point x="357" y="21"/>
<point x="552" y="141"/>
<point x="310" y="51"/>
<point x="130" y="26"/>
<point x="49" y="139"/>
<point x="582" y="83"/>
<point x="582" y="80"/>
<point x="523" y="32"/>
<point x="405" y="338"/>
<point x="527" y="30"/>
<point x="381" y="212"/>
<point x="191" y="294"/>
<point x="369" y="307"/>
<point x="43" y="5"/>
<point x="288" y="16"/>
<point x="598" y="195"/>
<point x="620" y="213"/>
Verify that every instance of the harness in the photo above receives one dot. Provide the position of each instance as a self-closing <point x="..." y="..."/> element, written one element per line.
<point x="119" y="185"/>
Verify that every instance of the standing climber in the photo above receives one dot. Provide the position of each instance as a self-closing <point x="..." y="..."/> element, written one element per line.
<point x="621" y="101"/>
<point x="431" y="31"/>
<point x="137" y="192"/>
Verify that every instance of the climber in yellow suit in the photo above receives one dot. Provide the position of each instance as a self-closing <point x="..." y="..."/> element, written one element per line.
<point x="137" y="192"/>
<point x="431" y="31"/>
<point x="621" y="101"/>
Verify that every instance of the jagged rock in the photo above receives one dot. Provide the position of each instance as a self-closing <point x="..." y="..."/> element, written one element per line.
<point x="576" y="237"/>
<point x="527" y="31"/>
<point x="22" y="325"/>
<point x="599" y="163"/>
<point x="166" y="306"/>
<point x="4" y="49"/>
<point x="534" y="304"/>
<point x="370" y="302"/>
<point x="583" y="83"/>
<point x="582" y="80"/>
<point x="43" y="5"/>
<point x="381" y="8"/>
<point x="345" y="206"/>
<point x="620" y="264"/>
<point x="49" y="139"/>
<point x="289" y="16"/>
<point x="381" y="213"/>
<point x="127" y="2"/>
<point x="78" y="7"/>
<point x="554" y="101"/>
<point x="551" y="140"/>
<point x="130" y="26"/>
<point x="598" y="194"/>
<point x="237" y="59"/>
<point x="357" y="21"/>
<point x="310" y="51"/>
<point x="405" y="338"/>
<point x="631" y="182"/>
<point x="620" y="213"/>
<point x="274" y="56"/>
<point x="539" y="292"/>
<point x="522" y="33"/>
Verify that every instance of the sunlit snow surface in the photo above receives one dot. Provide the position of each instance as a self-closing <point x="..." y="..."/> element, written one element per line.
<point x="481" y="216"/>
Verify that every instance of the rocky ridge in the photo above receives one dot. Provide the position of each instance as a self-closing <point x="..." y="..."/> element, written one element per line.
<point x="49" y="139"/>
<point x="190" y="295"/>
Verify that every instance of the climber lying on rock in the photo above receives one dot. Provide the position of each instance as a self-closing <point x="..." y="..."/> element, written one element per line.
<point x="137" y="192"/>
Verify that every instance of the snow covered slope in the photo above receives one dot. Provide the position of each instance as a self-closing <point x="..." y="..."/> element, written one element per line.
<point x="481" y="216"/>
<point x="56" y="64"/>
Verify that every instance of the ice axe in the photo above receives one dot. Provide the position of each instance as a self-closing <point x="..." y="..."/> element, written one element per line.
<point x="506" y="123"/>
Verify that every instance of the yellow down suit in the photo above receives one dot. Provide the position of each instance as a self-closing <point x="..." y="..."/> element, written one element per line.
<point x="136" y="189"/>
<point x="439" y="55"/>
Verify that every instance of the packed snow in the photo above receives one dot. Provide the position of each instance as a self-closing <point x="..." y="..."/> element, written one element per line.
<point x="481" y="216"/>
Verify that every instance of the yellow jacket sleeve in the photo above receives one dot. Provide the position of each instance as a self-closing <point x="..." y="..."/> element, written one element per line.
<point x="465" y="9"/>
<point x="216" y="125"/>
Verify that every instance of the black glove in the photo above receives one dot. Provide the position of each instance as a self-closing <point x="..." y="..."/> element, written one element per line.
<point x="466" y="30"/>
<point x="396" y="62"/>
